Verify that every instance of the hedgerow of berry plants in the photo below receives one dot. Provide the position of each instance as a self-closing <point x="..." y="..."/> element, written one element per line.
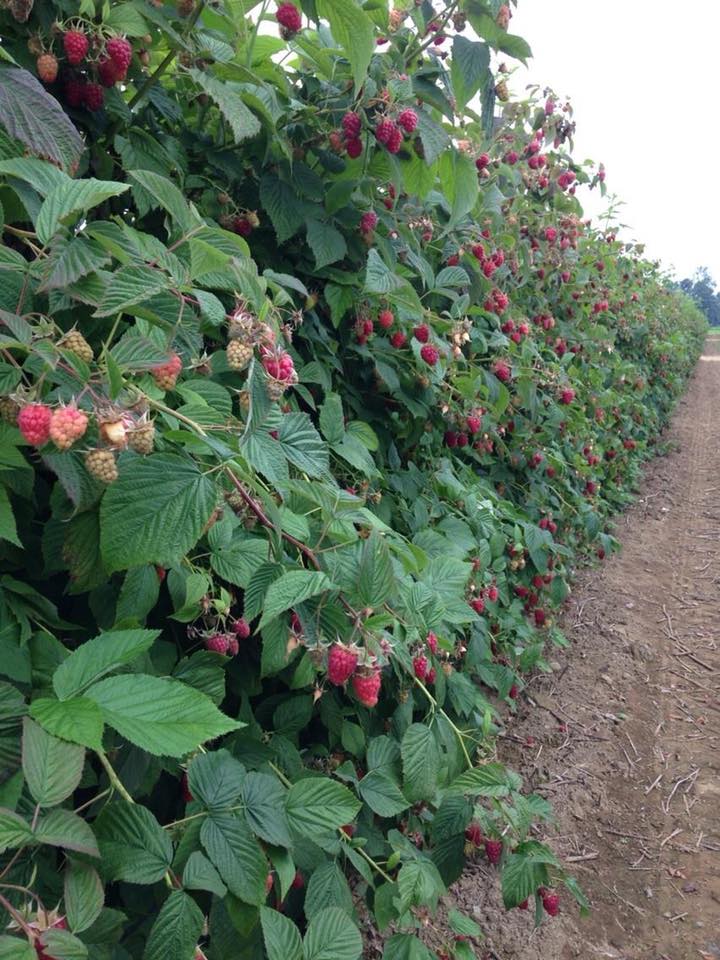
<point x="315" y="387"/>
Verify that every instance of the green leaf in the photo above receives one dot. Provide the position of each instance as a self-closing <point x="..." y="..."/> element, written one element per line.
<point x="459" y="175"/>
<point x="264" y="799"/>
<point x="12" y="948"/>
<point x="41" y="175"/>
<point x="375" y="578"/>
<point x="8" y="530"/>
<point x="420" y="761"/>
<point x="134" y="846"/>
<point x="154" y="512"/>
<point x="378" y="276"/>
<point x="237" y="856"/>
<point x="176" y="930"/>
<point x="316" y="806"/>
<point x="84" y="896"/>
<point x="163" y="716"/>
<point x="382" y="794"/>
<point x="283" y="206"/>
<point x="354" y="31"/>
<point x="139" y="593"/>
<point x="489" y="780"/>
<point x="78" y="720"/>
<point x="469" y="68"/>
<point x="52" y="767"/>
<point x="62" y="945"/>
<point x="327" y="244"/>
<point x="200" y="874"/>
<point x="167" y="196"/>
<point x="331" y="935"/>
<point x="63" y="828"/>
<point x="103" y="654"/>
<point x="128" y="286"/>
<point x="419" y="883"/>
<point x="70" y="259"/>
<point x="216" y="779"/>
<point x="433" y="137"/>
<point x="302" y="445"/>
<point x="406" y="946"/>
<point x="328" y="887"/>
<point x="242" y="121"/>
<point x="281" y="936"/>
<point x="291" y="589"/>
<point x="238" y="560"/>
<point x="14" y="831"/>
<point x="35" y="118"/>
<point x="71" y="198"/>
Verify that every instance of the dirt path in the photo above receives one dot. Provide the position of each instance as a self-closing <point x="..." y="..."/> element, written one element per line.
<point x="636" y="779"/>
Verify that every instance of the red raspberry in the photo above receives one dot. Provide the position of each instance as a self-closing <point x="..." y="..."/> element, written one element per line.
<point x="550" y="234"/>
<point x="218" y="643"/>
<point x="492" y="593"/>
<point x="398" y="339"/>
<point x="348" y="829"/>
<point x="567" y="395"/>
<point x="233" y="646"/>
<point x="450" y="438"/>
<point x="422" y="333"/>
<point x="242" y="226"/>
<point x="366" y="686"/>
<point x="384" y="130"/>
<point x="342" y="662"/>
<point x="107" y="72"/>
<point x="430" y="354"/>
<point x="335" y="140"/>
<point x="47" y="67"/>
<point x="473" y="424"/>
<point x="386" y="318"/>
<point x="493" y="849"/>
<point x="540" y="617"/>
<point x="513" y="694"/>
<point x="511" y="157"/>
<point x="354" y="148"/>
<point x="473" y="834"/>
<point x="74" y="92"/>
<point x="420" y="666"/>
<point x="407" y="119"/>
<point x="68" y="424"/>
<point x="268" y="883"/>
<point x="93" y="96"/>
<point x="120" y="52"/>
<point x="453" y="260"/>
<point x="352" y="125"/>
<point x="166" y="374"/>
<point x="482" y="161"/>
<point x="551" y="903"/>
<point x="298" y="881"/>
<point x="431" y="676"/>
<point x="241" y="628"/>
<point x="478" y="605"/>
<point x="395" y="141"/>
<point x="524" y="905"/>
<point x="368" y="222"/>
<point x="34" y="423"/>
<point x="501" y="370"/>
<point x="76" y="46"/>
<point x="288" y="16"/>
<point x="432" y="642"/>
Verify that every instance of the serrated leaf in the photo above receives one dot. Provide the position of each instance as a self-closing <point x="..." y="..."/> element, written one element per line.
<point x="291" y="589"/>
<point x="243" y="122"/>
<point x="134" y="846"/>
<point x="302" y="445"/>
<point x="73" y="197"/>
<point x="84" y="896"/>
<point x="285" y="209"/>
<point x="238" y="560"/>
<point x="167" y="196"/>
<point x="216" y="779"/>
<point x="316" y="806"/>
<point x="62" y="945"/>
<point x="159" y="528"/>
<point x="469" y="68"/>
<point x="489" y="780"/>
<point x="71" y="259"/>
<point x="78" y="720"/>
<point x="63" y="828"/>
<point x="14" y="830"/>
<point x="332" y="935"/>
<point x="328" y="887"/>
<point x="163" y="716"/>
<point x="8" y="529"/>
<point x="264" y="798"/>
<point x="281" y="936"/>
<point x="52" y="767"/>
<point x="13" y="948"/>
<point x="379" y="278"/>
<point x="382" y="794"/>
<point x="131" y="285"/>
<point x="200" y="874"/>
<point x="420" y="761"/>
<point x="406" y="946"/>
<point x="101" y="655"/>
<point x="237" y="856"/>
<point x="256" y="589"/>
<point x="176" y="930"/>
<point x="354" y="31"/>
<point x="327" y="244"/>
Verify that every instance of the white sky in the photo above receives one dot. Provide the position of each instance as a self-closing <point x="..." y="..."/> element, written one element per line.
<point x="644" y="80"/>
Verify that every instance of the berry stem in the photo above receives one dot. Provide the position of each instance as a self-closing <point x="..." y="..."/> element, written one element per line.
<point x="115" y="780"/>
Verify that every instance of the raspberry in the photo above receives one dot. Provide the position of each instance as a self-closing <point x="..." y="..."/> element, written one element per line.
<point x="34" y="423"/>
<point x="142" y="438"/>
<point x="394" y="141"/>
<point x="513" y="693"/>
<point x="432" y="642"/>
<point x="74" y="92"/>
<point x="493" y="849"/>
<point x="420" y="667"/>
<point x="368" y="222"/>
<point x="398" y="339"/>
<point x="473" y="834"/>
<point x="342" y="662"/>
<point x="422" y="333"/>
<point x="482" y="161"/>
<point x="567" y="395"/>
<point x="407" y="119"/>
<point x="241" y="628"/>
<point x="108" y="72"/>
<point x="298" y="881"/>
<point x="93" y="96"/>
<point x="233" y="646"/>
<point x="430" y="676"/>
<point x="288" y="16"/>
<point x="501" y="370"/>
<point x="430" y="354"/>
<point x="47" y="67"/>
<point x="269" y="881"/>
<point x="354" y="148"/>
<point x="242" y="226"/>
<point x="450" y="438"/>
<point x="76" y="46"/>
<point x="76" y="343"/>
<point x="384" y="130"/>
<point x="238" y="354"/>
<point x="101" y="464"/>
<point x="218" y="643"/>
<point x="366" y="686"/>
<point x="166" y="374"/>
<point x="352" y="125"/>
<point x="492" y="593"/>
<point x="120" y="52"/>
<point x="335" y="141"/>
<point x="9" y="410"/>
<point x="473" y="424"/>
<point x="550" y="234"/>
<point x="551" y="903"/>
<point x="524" y="905"/>
<point x="386" y="318"/>
<point x="68" y="424"/>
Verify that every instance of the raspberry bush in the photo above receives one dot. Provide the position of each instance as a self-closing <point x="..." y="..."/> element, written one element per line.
<point x="315" y="387"/>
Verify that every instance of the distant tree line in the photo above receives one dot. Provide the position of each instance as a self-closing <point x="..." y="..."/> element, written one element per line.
<point x="702" y="288"/>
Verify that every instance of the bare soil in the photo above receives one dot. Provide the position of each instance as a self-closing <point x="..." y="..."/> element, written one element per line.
<point x="635" y="780"/>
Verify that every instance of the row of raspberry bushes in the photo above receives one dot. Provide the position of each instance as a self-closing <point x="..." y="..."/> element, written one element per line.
<point x="316" y="386"/>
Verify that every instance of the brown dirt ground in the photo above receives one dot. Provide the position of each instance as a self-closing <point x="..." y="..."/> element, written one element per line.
<point x="635" y="781"/>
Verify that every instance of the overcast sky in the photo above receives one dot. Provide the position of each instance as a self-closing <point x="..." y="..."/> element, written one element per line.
<point x="644" y="79"/>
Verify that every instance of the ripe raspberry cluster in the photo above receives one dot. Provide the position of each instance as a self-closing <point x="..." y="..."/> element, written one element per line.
<point x="91" y="64"/>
